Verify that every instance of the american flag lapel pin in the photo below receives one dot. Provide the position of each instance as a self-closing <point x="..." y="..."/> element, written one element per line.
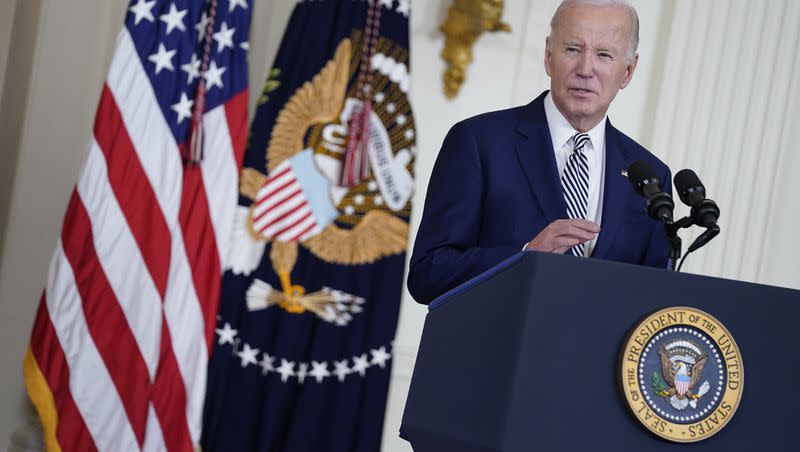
<point x="624" y="173"/>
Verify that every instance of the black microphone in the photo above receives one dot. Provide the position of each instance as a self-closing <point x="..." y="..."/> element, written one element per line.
<point x="705" y="212"/>
<point x="648" y="186"/>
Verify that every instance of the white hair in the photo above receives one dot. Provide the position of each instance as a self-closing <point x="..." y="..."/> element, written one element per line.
<point x="633" y="39"/>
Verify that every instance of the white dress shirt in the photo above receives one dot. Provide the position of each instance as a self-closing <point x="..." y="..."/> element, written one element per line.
<point x="561" y="133"/>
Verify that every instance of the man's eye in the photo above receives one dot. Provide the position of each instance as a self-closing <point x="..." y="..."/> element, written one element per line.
<point x="606" y="56"/>
<point x="572" y="49"/>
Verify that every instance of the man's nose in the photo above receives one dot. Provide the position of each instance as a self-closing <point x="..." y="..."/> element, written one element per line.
<point x="585" y="65"/>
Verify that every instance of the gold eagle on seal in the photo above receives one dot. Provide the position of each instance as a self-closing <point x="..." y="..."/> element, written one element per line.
<point x="679" y="377"/>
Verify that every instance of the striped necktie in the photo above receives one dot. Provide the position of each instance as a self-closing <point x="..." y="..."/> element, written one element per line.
<point x="575" y="182"/>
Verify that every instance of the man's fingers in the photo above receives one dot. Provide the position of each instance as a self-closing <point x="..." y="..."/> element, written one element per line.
<point x="577" y="233"/>
<point x="571" y="230"/>
<point x="579" y="223"/>
<point x="566" y="242"/>
<point x="561" y="235"/>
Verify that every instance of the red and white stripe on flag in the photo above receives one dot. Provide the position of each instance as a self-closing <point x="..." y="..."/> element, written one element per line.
<point x="119" y="348"/>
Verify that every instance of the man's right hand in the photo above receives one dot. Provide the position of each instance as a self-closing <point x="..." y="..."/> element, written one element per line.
<point x="561" y="235"/>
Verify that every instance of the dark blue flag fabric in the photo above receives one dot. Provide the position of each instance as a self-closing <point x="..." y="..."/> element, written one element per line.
<point x="309" y="307"/>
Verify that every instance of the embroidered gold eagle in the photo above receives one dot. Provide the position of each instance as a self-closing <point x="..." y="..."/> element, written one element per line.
<point x="377" y="235"/>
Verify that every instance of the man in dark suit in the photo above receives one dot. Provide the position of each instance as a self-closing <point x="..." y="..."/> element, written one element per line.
<point x="549" y="176"/>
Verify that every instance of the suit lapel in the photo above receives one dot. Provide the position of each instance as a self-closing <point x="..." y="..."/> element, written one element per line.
<point x="615" y="191"/>
<point x="534" y="149"/>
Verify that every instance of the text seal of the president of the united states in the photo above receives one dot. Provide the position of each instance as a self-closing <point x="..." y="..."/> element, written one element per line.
<point x="682" y="374"/>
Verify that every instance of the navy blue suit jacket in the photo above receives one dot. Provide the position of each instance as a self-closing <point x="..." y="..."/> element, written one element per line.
<point x="495" y="186"/>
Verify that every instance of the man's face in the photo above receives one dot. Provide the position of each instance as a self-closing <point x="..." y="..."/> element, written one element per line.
<point x="587" y="61"/>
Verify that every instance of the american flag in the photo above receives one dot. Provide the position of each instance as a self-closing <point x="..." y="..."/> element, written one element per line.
<point x="120" y="345"/>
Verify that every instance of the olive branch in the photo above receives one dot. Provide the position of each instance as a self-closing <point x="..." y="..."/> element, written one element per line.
<point x="658" y="384"/>
<point x="270" y="85"/>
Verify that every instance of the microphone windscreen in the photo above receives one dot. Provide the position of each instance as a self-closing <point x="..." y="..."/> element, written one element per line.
<point x="689" y="187"/>
<point x="686" y="179"/>
<point x="638" y="172"/>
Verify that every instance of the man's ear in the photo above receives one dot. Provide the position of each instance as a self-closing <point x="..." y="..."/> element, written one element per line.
<point x="547" y="55"/>
<point x="629" y="71"/>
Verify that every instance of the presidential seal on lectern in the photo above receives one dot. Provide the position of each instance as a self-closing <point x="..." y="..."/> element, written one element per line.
<point x="682" y="374"/>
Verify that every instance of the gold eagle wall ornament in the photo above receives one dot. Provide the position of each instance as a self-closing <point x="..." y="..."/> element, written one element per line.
<point x="466" y="21"/>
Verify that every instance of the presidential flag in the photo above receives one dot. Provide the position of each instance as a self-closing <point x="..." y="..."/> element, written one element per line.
<point x="309" y="307"/>
<point x="121" y="342"/>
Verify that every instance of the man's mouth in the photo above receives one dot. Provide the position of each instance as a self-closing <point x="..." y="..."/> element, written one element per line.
<point x="582" y="90"/>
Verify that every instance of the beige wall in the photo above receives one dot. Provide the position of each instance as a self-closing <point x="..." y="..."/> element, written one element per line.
<point x="7" y="20"/>
<point x="715" y="90"/>
<point x="17" y="40"/>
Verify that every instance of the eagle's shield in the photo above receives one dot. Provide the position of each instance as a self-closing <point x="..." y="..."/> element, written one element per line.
<point x="682" y="384"/>
<point x="293" y="204"/>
